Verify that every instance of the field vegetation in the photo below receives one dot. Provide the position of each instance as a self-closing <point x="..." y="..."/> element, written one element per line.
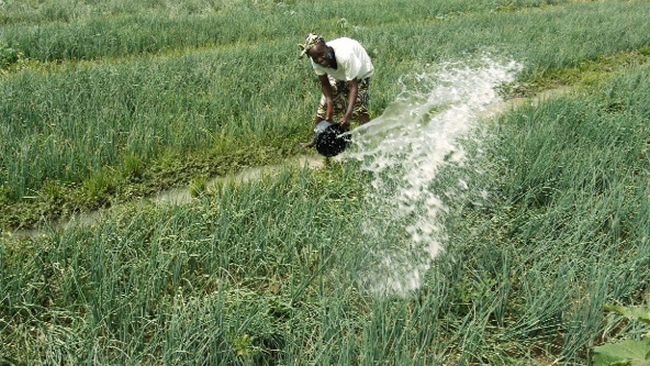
<point x="106" y="102"/>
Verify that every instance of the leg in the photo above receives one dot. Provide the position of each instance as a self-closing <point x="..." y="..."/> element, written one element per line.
<point x="364" y="118"/>
<point x="312" y="143"/>
<point x="361" y="104"/>
<point x="320" y="113"/>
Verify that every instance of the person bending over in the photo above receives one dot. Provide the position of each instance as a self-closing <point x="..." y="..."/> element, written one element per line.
<point x="344" y="70"/>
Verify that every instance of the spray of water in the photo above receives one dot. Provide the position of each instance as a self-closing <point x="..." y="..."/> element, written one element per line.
<point x="404" y="150"/>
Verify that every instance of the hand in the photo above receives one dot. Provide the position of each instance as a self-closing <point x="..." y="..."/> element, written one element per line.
<point x="344" y="123"/>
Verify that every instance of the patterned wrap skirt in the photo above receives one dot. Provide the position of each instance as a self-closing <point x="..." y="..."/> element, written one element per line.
<point x="340" y="94"/>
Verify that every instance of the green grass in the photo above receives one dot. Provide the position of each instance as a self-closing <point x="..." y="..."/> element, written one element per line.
<point x="271" y="271"/>
<point x="267" y="272"/>
<point x="240" y="85"/>
<point x="49" y="30"/>
<point x="572" y="193"/>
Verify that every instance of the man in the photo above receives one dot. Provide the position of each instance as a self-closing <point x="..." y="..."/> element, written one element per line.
<point x="344" y="69"/>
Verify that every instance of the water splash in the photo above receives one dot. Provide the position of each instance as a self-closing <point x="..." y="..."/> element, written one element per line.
<point x="405" y="149"/>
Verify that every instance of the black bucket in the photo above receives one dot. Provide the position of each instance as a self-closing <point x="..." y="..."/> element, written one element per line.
<point x="331" y="140"/>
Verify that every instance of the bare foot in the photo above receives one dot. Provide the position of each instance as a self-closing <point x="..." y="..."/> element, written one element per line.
<point x="309" y="144"/>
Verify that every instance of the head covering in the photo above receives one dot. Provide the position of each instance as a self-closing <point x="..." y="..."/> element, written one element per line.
<point x="311" y="40"/>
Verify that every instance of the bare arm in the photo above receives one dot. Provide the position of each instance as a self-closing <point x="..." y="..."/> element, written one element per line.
<point x="353" y="86"/>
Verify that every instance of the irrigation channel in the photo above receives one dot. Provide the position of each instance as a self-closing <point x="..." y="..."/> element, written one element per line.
<point x="175" y="196"/>
<point x="404" y="149"/>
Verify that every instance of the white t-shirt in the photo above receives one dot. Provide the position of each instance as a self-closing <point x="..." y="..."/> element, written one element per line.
<point x="352" y="61"/>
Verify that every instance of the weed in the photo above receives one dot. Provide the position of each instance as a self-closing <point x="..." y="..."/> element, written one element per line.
<point x="198" y="187"/>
